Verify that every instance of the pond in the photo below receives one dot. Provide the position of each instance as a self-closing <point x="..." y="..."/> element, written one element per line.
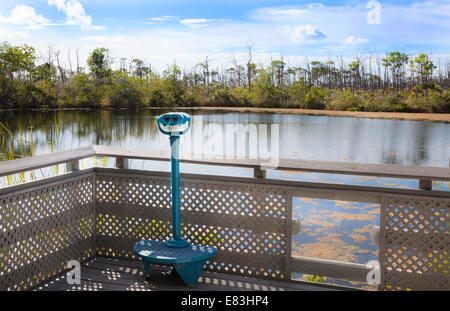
<point x="300" y="136"/>
<point x="329" y="229"/>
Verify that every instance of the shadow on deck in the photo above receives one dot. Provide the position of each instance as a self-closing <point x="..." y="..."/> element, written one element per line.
<point x="108" y="274"/>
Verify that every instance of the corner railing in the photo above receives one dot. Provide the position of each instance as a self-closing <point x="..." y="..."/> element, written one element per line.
<point x="103" y="211"/>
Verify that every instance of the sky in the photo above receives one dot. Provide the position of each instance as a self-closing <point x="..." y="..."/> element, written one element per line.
<point x="185" y="32"/>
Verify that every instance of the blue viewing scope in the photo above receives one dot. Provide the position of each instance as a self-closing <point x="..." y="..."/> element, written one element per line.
<point x="175" y="124"/>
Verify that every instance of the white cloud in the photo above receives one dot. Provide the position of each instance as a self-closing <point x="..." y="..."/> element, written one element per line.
<point x="26" y="16"/>
<point x="196" y="22"/>
<point x="315" y="5"/>
<point x="105" y="39"/>
<point x="156" y="20"/>
<point x="352" y="40"/>
<point x="161" y="19"/>
<point x="75" y="14"/>
<point x="190" y="22"/>
<point x="6" y="34"/>
<point x="60" y="4"/>
<point x="420" y="22"/>
<point x="304" y="33"/>
<point x="278" y="14"/>
<point x="286" y="12"/>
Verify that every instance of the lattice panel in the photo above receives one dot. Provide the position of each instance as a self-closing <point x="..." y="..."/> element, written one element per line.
<point x="43" y="228"/>
<point x="246" y="222"/>
<point x="416" y="244"/>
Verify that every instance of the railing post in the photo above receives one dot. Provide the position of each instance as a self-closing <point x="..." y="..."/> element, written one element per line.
<point x="73" y="166"/>
<point x="425" y="184"/>
<point x="289" y="227"/>
<point x="381" y="242"/>
<point x="259" y="173"/>
<point x="122" y="163"/>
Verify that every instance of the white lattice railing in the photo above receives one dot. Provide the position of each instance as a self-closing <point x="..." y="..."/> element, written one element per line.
<point x="104" y="211"/>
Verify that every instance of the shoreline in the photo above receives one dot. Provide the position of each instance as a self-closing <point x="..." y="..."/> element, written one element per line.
<point x="431" y="117"/>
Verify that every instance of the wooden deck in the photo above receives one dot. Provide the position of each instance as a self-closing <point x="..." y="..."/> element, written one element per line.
<point x="107" y="274"/>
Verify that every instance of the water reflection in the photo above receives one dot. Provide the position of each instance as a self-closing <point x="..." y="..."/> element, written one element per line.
<point x="303" y="137"/>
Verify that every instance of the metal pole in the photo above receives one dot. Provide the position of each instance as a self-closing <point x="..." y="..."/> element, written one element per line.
<point x="175" y="144"/>
<point x="176" y="240"/>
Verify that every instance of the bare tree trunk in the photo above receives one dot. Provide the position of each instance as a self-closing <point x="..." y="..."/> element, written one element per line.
<point x="249" y="67"/>
<point x="61" y="70"/>
<point x="77" y="50"/>
<point x="69" y="53"/>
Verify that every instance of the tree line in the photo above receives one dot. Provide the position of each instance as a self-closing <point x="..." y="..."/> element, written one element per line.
<point x="395" y="82"/>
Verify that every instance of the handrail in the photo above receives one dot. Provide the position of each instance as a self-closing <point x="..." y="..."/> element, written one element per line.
<point x="422" y="173"/>
<point x="44" y="160"/>
<point x="331" y="268"/>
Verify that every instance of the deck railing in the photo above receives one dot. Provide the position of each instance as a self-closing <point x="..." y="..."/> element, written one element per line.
<point x="103" y="211"/>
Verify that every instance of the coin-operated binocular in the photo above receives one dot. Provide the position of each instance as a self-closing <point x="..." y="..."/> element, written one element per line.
<point x="175" y="124"/>
<point x="187" y="259"/>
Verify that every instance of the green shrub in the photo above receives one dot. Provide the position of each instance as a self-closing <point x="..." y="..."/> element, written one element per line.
<point x="429" y="100"/>
<point x="345" y="100"/>
<point x="123" y="92"/>
<point x="424" y="88"/>
<point x="266" y="96"/>
<point x="240" y="96"/>
<point x="316" y="98"/>
<point x="29" y="96"/>
<point x="156" y="98"/>
<point x="80" y="92"/>
<point x="441" y="103"/>
<point x="297" y="95"/>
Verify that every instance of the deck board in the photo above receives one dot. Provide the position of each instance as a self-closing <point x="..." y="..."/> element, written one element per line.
<point x="108" y="274"/>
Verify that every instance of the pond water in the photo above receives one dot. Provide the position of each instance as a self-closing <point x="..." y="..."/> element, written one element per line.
<point x="329" y="229"/>
<point x="303" y="137"/>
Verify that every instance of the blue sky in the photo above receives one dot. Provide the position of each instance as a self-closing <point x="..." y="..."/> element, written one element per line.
<point x="185" y="32"/>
